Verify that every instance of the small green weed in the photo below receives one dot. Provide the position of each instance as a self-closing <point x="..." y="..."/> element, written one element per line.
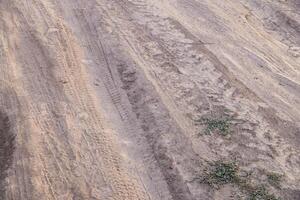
<point x="261" y="193"/>
<point x="222" y="173"/>
<point x="220" y="125"/>
<point x="274" y="179"/>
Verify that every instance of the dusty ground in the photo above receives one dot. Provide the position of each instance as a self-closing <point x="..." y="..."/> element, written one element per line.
<point x="99" y="99"/>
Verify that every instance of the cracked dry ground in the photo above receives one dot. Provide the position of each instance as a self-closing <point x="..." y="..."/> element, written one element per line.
<point x="99" y="99"/>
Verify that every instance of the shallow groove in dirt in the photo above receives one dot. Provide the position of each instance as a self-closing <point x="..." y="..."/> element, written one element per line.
<point x="142" y="99"/>
<point x="113" y="94"/>
<point x="7" y="148"/>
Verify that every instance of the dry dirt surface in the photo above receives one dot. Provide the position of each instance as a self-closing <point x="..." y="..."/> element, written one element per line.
<point x="144" y="99"/>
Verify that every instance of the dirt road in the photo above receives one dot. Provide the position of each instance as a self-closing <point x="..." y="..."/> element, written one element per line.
<point x="102" y="99"/>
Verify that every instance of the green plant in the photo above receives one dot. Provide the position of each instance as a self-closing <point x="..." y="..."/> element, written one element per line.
<point x="222" y="173"/>
<point x="274" y="179"/>
<point x="220" y="125"/>
<point x="261" y="193"/>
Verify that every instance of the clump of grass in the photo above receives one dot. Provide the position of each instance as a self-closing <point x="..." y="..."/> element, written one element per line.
<point x="261" y="193"/>
<point x="222" y="173"/>
<point x="274" y="179"/>
<point x="255" y="192"/>
<point x="222" y="126"/>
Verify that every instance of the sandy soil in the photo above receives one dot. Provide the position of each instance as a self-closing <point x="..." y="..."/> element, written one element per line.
<point x="99" y="99"/>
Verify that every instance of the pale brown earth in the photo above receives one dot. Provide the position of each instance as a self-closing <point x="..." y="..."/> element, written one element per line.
<point x="99" y="98"/>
